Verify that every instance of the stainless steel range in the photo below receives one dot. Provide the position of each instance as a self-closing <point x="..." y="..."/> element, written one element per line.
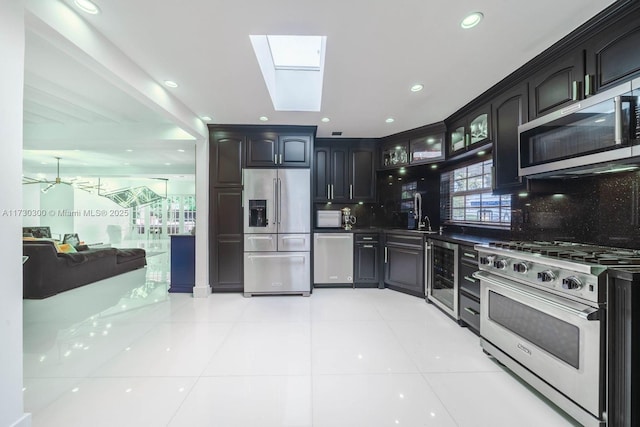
<point x="543" y="316"/>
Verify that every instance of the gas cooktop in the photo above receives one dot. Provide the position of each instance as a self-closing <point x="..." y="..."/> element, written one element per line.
<point x="577" y="252"/>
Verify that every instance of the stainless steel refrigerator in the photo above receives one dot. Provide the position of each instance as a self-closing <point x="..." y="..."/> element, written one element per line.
<point x="277" y="231"/>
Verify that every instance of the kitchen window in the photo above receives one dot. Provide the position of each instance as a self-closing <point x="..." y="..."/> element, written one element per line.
<point x="466" y="197"/>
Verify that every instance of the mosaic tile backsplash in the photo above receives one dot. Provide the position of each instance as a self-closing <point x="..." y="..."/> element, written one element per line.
<point x="601" y="210"/>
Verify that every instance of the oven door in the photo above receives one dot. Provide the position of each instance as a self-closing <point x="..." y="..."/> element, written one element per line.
<point x="556" y="339"/>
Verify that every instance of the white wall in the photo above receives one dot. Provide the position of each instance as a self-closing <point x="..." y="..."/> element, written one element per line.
<point x="57" y="203"/>
<point x="11" y="87"/>
<point x="31" y="202"/>
<point x="92" y="228"/>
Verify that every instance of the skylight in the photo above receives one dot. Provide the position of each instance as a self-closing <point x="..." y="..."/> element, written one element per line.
<point x="293" y="69"/>
<point x="295" y="52"/>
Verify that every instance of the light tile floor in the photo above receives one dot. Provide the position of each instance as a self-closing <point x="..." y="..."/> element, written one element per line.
<point x="124" y="352"/>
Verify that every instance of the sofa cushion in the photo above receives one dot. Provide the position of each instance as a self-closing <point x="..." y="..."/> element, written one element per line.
<point x="126" y="255"/>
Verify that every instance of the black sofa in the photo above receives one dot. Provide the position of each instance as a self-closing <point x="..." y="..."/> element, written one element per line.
<point x="48" y="272"/>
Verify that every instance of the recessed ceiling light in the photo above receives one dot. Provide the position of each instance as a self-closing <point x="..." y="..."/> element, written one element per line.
<point x="471" y="20"/>
<point x="206" y="118"/>
<point x="325" y="119"/>
<point x="129" y="150"/>
<point x="170" y="83"/>
<point x="87" y="6"/>
<point x="417" y="88"/>
<point x="168" y="164"/>
<point x="181" y="150"/>
<point x="264" y="118"/>
<point x="43" y="163"/>
<point x="390" y="120"/>
<point x="126" y="164"/>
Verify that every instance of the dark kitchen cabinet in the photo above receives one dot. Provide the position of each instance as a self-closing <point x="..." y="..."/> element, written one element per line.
<point x="404" y="263"/>
<point x="225" y="163"/>
<point x="226" y="250"/>
<point x="557" y="84"/>
<point x="470" y="131"/>
<point x="612" y="55"/>
<point x="262" y="150"/>
<point x="366" y="261"/>
<point x="509" y="111"/>
<point x="344" y="171"/>
<point x="469" y="289"/>
<point x="394" y="154"/>
<point x="427" y="149"/>
<point x="362" y="172"/>
<point x="270" y="149"/>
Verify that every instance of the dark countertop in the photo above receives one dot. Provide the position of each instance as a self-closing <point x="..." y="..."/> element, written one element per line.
<point x="460" y="238"/>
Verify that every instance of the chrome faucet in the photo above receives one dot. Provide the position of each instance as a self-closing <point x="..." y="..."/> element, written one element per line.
<point x="428" y="223"/>
<point x="417" y="206"/>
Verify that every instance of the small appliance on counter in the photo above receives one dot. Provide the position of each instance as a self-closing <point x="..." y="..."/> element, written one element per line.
<point x="348" y="220"/>
<point x="328" y="219"/>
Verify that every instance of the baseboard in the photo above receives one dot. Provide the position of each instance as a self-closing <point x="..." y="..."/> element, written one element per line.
<point x="201" y="291"/>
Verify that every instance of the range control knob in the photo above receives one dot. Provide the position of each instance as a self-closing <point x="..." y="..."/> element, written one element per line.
<point x="486" y="260"/>
<point x="546" y="276"/>
<point x="520" y="267"/>
<point x="572" y="282"/>
<point x="500" y="264"/>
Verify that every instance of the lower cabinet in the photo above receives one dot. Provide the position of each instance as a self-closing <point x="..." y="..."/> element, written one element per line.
<point x="469" y="311"/>
<point x="404" y="264"/>
<point x="366" y="261"/>
<point x="226" y="240"/>
<point x="469" y="289"/>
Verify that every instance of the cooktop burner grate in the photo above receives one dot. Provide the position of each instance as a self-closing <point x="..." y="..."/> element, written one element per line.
<point x="578" y="252"/>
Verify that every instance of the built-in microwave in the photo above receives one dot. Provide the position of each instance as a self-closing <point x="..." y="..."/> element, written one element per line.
<point x="594" y="135"/>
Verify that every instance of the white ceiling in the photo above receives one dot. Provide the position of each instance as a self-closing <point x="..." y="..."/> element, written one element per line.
<point x="375" y="51"/>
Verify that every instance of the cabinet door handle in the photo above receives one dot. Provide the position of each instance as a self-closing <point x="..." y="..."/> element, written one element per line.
<point x="471" y="311"/>
<point x="280" y="158"/>
<point x="328" y="192"/>
<point x="367" y="238"/>
<point x="386" y="254"/>
<point x="574" y="90"/>
<point x="367" y="246"/>
<point x="588" y="85"/>
<point x="351" y="191"/>
<point x="331" y="191"/>
<point x="275" y="159"/>
<point x="470" y="255"/>
<point x="467" y="139"/>
<point x="470" y="279"/>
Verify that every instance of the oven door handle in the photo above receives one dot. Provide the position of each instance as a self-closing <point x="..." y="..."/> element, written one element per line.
<point x="586" y="314"/>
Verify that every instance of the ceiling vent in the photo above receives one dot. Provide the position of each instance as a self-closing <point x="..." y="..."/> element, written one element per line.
<point x="336" y="133"/>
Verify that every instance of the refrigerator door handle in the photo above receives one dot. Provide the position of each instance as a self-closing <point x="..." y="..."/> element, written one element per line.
<point x="275" y="200"/>
<point x="279" y="200"/>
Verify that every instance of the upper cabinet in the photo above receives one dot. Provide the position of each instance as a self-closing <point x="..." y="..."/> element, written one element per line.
<point x="394" y="154"/>
<point x="344" y="171"/>
<point x="470" y="131"/>
<point x="557" y="85"/>
<point x="426" y="149"/>
<point x="422" y="145"/>
<point x="225" y="165"/>
<point x="270" y="149"/>
<point x="612" y="55"/>
<point x="509" y="110"/>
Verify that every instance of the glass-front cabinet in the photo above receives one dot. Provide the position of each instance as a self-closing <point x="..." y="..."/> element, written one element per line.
<point x="470" y="132"/>
<point x="395" y="154"/>
<point x="418" y="146"/>
<point x="426" y="149"/>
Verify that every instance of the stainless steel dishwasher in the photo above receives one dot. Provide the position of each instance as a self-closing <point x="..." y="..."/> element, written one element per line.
<point x="333" y="259"/>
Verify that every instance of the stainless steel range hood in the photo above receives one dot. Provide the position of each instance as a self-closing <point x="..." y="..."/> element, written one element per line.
<point x="593" y="136"/>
